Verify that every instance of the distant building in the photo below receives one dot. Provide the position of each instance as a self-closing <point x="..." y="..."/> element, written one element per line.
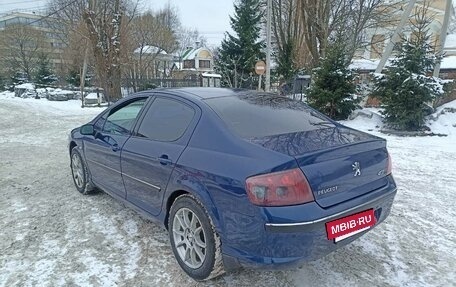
<point x="198" y="59"/>
<point x="380" y="36"/>
<point x="152" y="62"/>
<point x="197" y="64"/>
<point x="53" y="45"/>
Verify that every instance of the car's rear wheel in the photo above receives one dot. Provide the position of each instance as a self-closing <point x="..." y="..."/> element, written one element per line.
<point x="80" y="173"/>
<point x="194" y="241"/>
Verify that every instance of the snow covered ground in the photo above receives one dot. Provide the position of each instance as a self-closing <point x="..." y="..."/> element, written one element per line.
<point x="52" y="236"/>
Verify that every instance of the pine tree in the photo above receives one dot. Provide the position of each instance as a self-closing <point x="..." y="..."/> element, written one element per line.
<point x="44" y="75"/>
<point x="406" y="87"/>
<point x="333" y="89"/>
<point x="238" y="53"/>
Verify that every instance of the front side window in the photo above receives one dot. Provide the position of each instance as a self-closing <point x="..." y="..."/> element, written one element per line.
<point x="166" y="120"/>
<point x="121" y="121"/>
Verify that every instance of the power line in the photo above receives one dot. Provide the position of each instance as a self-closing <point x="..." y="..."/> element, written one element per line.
<point x="19" y="2"/>
<point x="40" y="10"/>
<point x="42" y="7"/>
<point x="51" y="14"/>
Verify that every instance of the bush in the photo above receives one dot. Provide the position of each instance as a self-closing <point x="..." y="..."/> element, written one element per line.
<point x="333" y="89"/>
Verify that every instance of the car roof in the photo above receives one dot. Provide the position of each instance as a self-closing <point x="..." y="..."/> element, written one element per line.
<point x="199" y="93"/>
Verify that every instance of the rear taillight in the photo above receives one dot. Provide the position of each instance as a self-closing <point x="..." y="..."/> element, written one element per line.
<point x="389" y="165"/>
<point x="279" y="188"/>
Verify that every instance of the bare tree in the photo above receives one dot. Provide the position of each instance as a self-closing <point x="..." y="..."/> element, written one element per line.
<point x="287" y="36"/>
<point x="104" y="26"/>
<point x="326" y="21"/>
<point x="187" y="38"/>
<point x="100" y="26"/>
<point x="21" y="45"/>
<point x="151" y="35"/>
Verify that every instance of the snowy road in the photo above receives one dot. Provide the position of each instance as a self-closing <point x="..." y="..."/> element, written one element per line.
<point x="52" y="236"/>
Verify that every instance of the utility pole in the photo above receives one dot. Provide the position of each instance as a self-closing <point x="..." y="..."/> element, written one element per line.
<point x="86" y="56"/>
<point x="267" y="85"/>
<point x="84" y="72"/>
<point x="395" y="38"/>
<point x="446" y="21"/>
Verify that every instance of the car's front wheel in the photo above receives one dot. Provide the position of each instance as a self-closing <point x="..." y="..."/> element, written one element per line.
<point x="80" y="173"/>
<point x="194" y="241"/>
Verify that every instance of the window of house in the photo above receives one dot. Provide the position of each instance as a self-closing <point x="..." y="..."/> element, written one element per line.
<point x="205" y="64"/>
<point x="189" y="64"/>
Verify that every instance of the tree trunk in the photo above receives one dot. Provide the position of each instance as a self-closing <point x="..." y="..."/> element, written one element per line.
<point x="104" y="35"/>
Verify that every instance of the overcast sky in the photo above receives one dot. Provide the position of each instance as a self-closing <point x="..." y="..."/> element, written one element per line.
<point x="210" y="17"/>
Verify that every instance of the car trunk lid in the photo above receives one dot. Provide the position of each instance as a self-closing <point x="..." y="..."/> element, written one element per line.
<point x="339" y="163"/>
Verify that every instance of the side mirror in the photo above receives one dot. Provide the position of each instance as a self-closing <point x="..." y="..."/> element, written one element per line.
<point x="87" y="130"/>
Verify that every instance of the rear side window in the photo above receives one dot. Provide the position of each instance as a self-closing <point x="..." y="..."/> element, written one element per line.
<point x="166" y="120"/>
<point x="254" y="115"/>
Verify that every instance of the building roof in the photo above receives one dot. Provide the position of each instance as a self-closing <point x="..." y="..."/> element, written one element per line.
<point x="192" y="53"/>
<point x="448" y="63"/>
<point x="150" y="50"/>
<point x="450" y="41"/>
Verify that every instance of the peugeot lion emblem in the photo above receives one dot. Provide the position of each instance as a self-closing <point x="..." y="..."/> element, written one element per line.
<point x="356" y="168"/>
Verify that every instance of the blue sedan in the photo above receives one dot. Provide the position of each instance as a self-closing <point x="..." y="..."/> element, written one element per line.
<point x="239" y="178"/>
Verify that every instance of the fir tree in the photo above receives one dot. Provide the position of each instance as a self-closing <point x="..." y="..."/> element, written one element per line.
<point x="407" y="87"/>
<point x="333" y="89"/>
<point x="44" y="75"/>
<point x="238" y="53"/>
<point x="2" y="83"/>
<point x="19" y="78"/>
<point x="73" y="78"/>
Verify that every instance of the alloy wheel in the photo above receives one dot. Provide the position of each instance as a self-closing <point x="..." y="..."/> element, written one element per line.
<point x="189" y="238"/>
<point x="78" y="170"/>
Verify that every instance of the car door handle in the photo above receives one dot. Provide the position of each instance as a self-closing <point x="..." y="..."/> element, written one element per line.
<point x="164" y="160"/>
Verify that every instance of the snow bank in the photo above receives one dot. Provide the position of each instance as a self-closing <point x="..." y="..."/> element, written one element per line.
<point x="443" y="121"/>
<point x="26" y="86"/>
<point x="63" y="108"/>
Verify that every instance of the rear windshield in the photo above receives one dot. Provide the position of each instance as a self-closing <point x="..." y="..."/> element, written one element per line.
<point x="253" y="115"/>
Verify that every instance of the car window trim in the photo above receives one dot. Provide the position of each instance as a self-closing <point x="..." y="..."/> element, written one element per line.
<point x="135" y="132"/>
<point x="126" y="103"/>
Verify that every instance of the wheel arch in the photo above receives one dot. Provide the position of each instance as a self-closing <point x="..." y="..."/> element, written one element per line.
<point x="200" y="194"/>
<point x="72" y="145"/>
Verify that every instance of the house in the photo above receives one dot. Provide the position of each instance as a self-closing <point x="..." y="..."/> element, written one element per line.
<point x="379" y="36"/>
<point x="151" y="62"/>
<point x="367" y="59"/>
<point x="198" y="59"/>
<point x="197" y="64"/>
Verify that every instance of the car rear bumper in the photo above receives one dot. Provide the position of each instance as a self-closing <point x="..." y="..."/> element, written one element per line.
<point x="290" y="244"/>
<point x="321" y="222"/>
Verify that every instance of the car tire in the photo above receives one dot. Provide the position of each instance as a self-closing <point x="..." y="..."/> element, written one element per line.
<point x="194" y="241"/>
<point x="80" y="173"/>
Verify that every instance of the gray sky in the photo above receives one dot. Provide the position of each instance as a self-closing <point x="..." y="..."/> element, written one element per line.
<point x="210" y="17"/>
